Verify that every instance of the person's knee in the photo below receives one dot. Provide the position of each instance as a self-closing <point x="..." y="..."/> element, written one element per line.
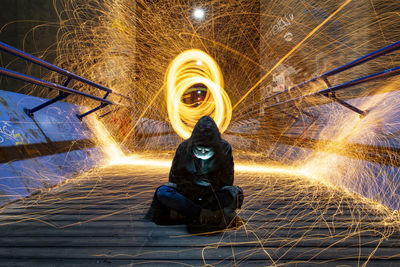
<point x="236" y="193"/>
<point x="164" y="193"/>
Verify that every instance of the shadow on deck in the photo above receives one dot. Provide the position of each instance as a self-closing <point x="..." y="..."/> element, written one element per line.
<point x="98" y="220"/>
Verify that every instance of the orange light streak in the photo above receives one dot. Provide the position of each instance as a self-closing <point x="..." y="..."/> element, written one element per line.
<point x="291" y="52"/>
<point x="141" y="116"/>
<point x="139" y="160"/>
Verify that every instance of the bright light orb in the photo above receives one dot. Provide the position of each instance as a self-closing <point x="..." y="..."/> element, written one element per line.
<point x="182" y="74"/>
<point x="198" y="13"/>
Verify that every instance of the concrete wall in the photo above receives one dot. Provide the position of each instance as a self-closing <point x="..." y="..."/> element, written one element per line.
<point x="42" y="151"/>
<point x="30" y="26"/>
<point x="358" y="154"/>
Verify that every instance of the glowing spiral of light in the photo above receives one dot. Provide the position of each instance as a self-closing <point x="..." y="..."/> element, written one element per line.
<point x="187" y="69"/>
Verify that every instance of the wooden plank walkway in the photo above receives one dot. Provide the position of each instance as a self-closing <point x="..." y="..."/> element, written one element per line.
<point x="99" y="220"/>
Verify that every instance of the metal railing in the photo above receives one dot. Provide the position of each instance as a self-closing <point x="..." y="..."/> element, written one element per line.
<point x="329" y="92"/>
<point x="64" y="91"/>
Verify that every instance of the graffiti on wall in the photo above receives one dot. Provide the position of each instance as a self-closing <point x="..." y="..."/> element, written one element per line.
<point x="7" y="132"/>
<point x="281" y="80"/>
<point x="282" y="23"/>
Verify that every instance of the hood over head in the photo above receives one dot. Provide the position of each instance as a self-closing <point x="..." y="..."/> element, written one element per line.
<point x="205" y="133"/>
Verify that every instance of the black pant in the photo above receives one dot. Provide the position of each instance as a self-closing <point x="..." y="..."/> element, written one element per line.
<point x="167" y="198"/>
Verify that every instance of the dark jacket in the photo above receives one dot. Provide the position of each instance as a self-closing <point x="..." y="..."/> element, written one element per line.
<point x="186" y="169"/>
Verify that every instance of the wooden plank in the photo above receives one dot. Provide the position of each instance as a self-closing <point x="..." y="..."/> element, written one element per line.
<point x="134" y="200"/>
<point x="273" y="221"/>
<point x="63" y="219"/>
<point x="211" y="253"/>
<point x="179" y="230"/>
<point x="101" y="209"/>
<point x="113" y="202"/>
<point x="187" y="262"/>
<point x="112" y="224"/>
<point x="227" y="239"/>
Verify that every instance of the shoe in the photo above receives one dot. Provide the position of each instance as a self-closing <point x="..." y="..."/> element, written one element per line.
<point x="176" y="216"/>
<point x="236" y="222"/>
<point x="208" y="216"/>
<point x="231" y="219"/>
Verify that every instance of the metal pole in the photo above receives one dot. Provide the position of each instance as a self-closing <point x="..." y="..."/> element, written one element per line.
<point x="102" y="105"/>
<point x="16" y="52"/>
<point x="61" y="96"/>
<point x="361" y="60"/>
<point x="382" y="74"/>
<point x="33" y="80"/>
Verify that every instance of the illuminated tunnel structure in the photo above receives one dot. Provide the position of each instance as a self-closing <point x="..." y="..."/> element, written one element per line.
<point x="44" y="149"/>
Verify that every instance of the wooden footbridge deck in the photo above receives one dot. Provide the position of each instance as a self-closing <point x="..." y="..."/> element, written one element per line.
<point x="99" y="220"/>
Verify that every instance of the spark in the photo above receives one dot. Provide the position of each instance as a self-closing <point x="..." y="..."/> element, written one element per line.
<point x="110" y="148"/>
<point x="137" y="160"/>
<point x="151" y="162"/>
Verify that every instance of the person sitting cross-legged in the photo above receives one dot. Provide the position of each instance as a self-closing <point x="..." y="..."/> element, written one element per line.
<point x="200" y="187"/>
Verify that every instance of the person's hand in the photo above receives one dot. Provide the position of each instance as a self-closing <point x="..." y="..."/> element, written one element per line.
<point x="203" y="182"/>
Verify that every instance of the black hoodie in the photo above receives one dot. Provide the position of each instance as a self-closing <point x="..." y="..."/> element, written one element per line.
<point x="186" y="168"/>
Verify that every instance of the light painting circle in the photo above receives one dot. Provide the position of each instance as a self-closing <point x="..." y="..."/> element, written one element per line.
<point x="189" y="68"/>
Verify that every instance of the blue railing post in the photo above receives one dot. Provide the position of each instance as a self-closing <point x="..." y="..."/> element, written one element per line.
<point x="332" y="95"/>
<point x="102" y="105"/>
<point x="80" y="116"/>
<point x="61" y="96"/>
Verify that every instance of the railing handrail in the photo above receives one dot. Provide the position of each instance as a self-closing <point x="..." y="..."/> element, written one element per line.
<point x="36" y="81"/>
<point x="382" y="74"/>
<point x="330" y="91"/>
<point x="356" y="62"/>
<point x="63" y="89"/>
<point x="21" y="54"/>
